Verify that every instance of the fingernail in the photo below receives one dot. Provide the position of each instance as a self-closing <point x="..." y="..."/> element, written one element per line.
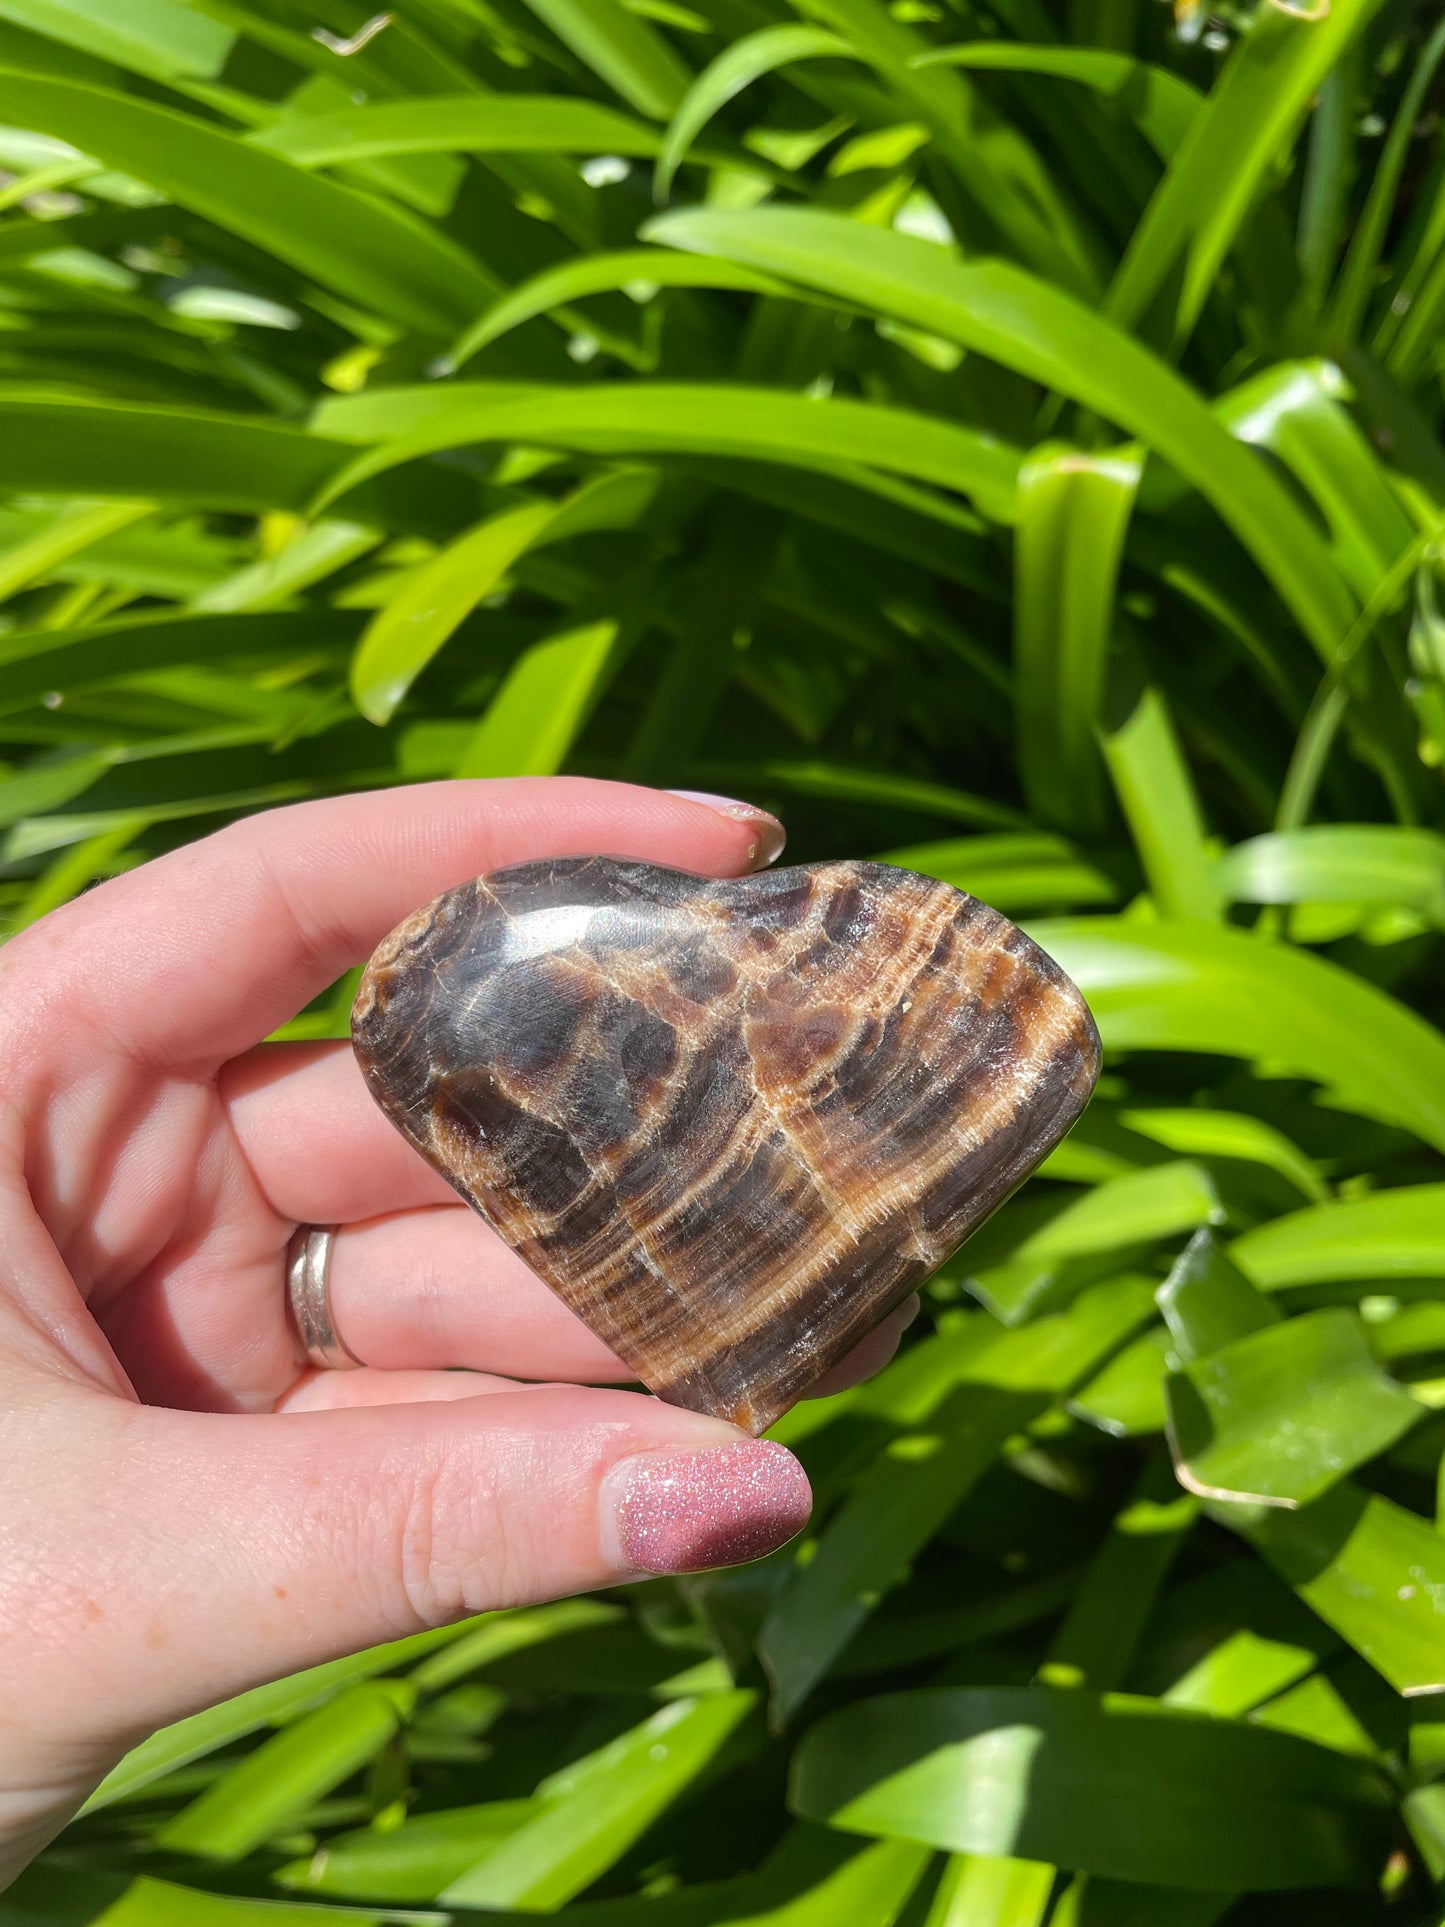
<point x="687" y="1511"/>
<point x="771" y="836"/>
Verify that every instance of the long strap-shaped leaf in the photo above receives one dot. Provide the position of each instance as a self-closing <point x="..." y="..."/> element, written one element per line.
<point x="459" y="123"/>
<point x="736" y="68"/>
<point x="1352" y="291"/>
<point x="1187" y="986"/>
<point x="1012" y="191"/>
<point x="621" y="49"/>
<point x="1020" y="321"/>
<point x="1074" y="509"/>
<point x="407" y="633"/>
<point x="363" y="249"/>
<point x="1162" y="106"/>
<point x="632" y="418"/>
<point x="1206" y="196"/>
<point x="602" y="274"/>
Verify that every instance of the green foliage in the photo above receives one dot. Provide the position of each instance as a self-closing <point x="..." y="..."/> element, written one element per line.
<point x="1000" y="434"/>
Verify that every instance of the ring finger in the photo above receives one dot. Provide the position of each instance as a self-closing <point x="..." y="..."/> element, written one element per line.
<point x="423" y="1289"/>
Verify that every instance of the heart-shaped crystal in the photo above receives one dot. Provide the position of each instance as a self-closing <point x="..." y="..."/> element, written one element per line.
<point x="731" y="1124"/>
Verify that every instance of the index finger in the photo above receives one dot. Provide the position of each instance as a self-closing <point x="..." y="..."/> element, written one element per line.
<point x="198" y="955"/>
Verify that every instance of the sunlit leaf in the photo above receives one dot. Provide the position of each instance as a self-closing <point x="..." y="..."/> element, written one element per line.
<point x="1213" y="180"/>
<point x="1393" y="1234"/>
<point x="404" y="636"/>
<point x="1162" y="105"/>
<point x="1280" y="1415"/>
<point x="1021" y="322"/>
<point x="593" y="1812"/>
<point x="278" y="1781"/>
<point x="736" y="68"/>
<point x="1114" y="1785"/>
<point x="1185" y="987"/>
<point x="659" y="419"/>
<point x="357" y="246"/>
<point x="1073" y="512"/>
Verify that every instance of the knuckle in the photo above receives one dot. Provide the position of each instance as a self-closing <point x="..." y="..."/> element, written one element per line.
<point x="463" y="1546"/>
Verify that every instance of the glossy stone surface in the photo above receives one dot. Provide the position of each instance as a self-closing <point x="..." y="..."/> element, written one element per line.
<point x="731" y="1124"/>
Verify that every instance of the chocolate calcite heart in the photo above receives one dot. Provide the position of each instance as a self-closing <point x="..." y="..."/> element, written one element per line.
<point x="731" y="1124"/>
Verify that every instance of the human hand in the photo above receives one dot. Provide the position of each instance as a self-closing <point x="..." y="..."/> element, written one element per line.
<point x="189" y="1508"/>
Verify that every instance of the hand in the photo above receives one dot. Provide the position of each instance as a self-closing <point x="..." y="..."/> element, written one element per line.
<point x="189" y="1509"/>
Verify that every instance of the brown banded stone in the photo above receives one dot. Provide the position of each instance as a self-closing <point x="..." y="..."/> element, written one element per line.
<point x="731" y="1124"/>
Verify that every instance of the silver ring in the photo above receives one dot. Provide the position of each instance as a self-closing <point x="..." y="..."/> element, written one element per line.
<point x="308" y="1286"/>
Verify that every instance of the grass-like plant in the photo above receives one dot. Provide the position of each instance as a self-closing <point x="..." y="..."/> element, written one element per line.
<point x="1004" y="435"/>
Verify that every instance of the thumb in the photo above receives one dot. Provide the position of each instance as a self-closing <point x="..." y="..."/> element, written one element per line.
<point x="255" y="1546"/>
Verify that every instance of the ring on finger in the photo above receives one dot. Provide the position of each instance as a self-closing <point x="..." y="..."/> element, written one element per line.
<point x="308" y="1291"/>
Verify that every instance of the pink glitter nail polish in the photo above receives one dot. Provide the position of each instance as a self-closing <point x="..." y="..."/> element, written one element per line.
<point x="687" y="1511"/>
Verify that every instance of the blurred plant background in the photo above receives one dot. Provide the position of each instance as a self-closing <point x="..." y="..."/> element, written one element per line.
<point x="1002" y="435"/>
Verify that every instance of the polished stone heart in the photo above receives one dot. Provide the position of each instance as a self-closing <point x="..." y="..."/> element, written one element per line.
<point x="731" y="1124"/>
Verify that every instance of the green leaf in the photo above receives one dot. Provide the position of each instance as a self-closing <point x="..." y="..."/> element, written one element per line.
<point x="59" y="446"/>
<point x="734" y="69"/>
<point x="1371" y="1570"/>
<point x="677" y="418"/>
<point x="1157" y="797"/>
<point x="918" y="1479"/>
<point x="903" y="1499"/>
<point x="285" y="1775"/>
<point x="594" y="1811"/>
<point x="1136" y="1208"/>
<point x="461" y="124"/>
<point x="1161" y="105"/>
<point x="75" y="869"/>
<point x="885" y="789"/>
<point x="621" y="49"/>
<point x="309" y="557"/>
<point x="1073" y="513"/>
<point x="1021" y="322"/>
<point x="1212" y="183"/>
<point x="1280" y="1415"/>
<point x="273" y="1705"/>
<point x="1114" y="1785"/>
<point x="411" y="1862"/>
<point x="36" y="662"/>
<point x="360" y="248"/>
<point x="78" y="526"/>
<point x="163" y="39"/>
<point x="1208" y="1302"/>
<point x="495" y="1636"/>
<point x="569" y="281"/>
<point x="1012" y="194"/>
<point x="69" y="1899"/>
<point x="1126" y="1399"/>
<point x="1091" y="1902"/>
<point x="1296" y="410"/>
<point x="1095" y="1643"/>
<point x="1357" y="277"/>
<point x="430" y="604"/>
<point x="980" y="1891"/>
<point x="1014" y="873"/>
<point x="1339" y="863"/>
<point x="1231" y="1135"/>
<point x="1192" y="987"/>
<point x="535" y="717"/>
<point x="1240" y="1672"/>
<point x="1390" y="1234"/>
<point x="1316" y="1710"/>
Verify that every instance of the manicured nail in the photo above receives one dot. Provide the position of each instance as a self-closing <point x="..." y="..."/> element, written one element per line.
<point x="687" y="1511"/>
<point x="771" y="836"/>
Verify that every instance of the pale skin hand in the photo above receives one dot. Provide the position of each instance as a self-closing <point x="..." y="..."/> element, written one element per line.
<point x="188" y="1508"/>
